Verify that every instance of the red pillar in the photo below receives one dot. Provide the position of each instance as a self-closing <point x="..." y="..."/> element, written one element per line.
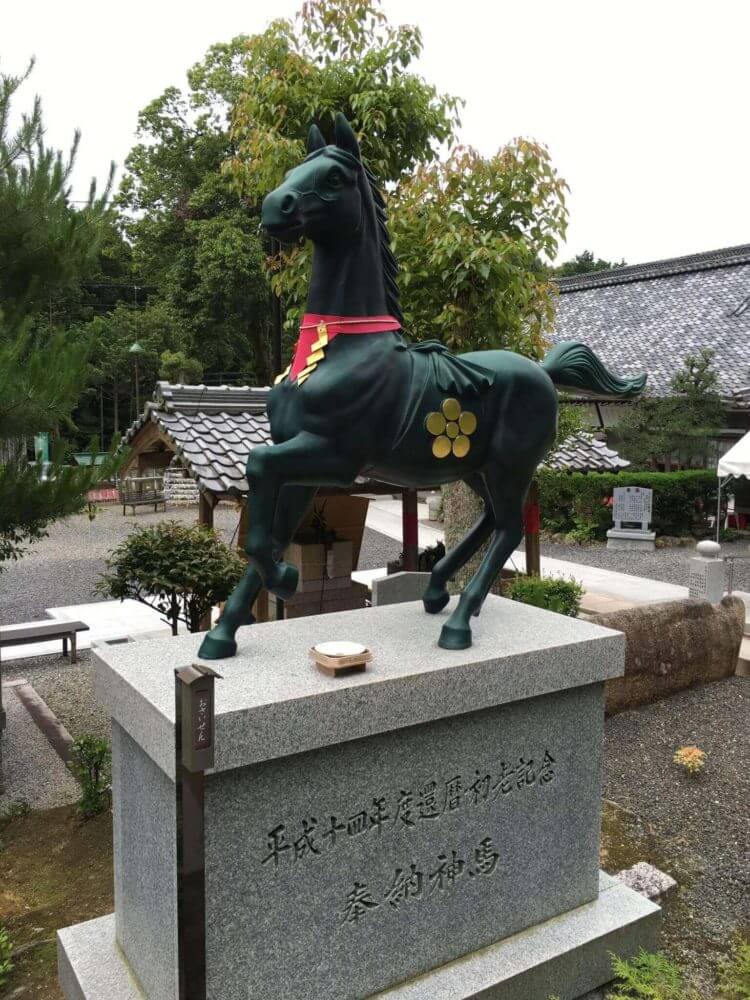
<point x="531" y="525"/>
<point x="410" y="530"/>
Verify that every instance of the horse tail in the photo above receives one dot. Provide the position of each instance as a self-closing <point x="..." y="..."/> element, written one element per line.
<point x="575" y="366"/>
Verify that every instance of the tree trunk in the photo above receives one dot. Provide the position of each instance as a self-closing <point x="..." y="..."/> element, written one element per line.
<point x="115" y="406"/>
<point x="262" y="356"/>
<point x="174" y="613"/>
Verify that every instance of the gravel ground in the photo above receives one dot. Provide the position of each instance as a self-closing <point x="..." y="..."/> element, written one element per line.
<point x="697" y="827"/>
<point x="668" y="564"/>
<point x="33" y="772"/>
<point x="67" y="688"/>
<point x="64" y="568"/>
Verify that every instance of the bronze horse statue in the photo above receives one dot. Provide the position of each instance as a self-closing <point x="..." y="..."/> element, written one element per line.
<point x="359" y="400"/>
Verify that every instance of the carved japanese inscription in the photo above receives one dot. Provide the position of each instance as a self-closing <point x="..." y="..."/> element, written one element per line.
<point x="414" y="883"/>
<point x="404" y="809"/>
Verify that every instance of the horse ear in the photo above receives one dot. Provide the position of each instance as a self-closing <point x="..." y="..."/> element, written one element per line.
<point x="345" y="137"/>
<point x="315" y="139"/>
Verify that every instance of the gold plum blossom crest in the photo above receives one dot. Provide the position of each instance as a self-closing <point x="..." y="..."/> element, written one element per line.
<point x="451" y="428"/>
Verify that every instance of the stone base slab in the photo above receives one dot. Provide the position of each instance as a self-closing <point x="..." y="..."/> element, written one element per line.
<point x="622" y="538"/>
<point x="566" y="957"/>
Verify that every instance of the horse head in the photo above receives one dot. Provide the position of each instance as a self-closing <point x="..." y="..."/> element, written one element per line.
<point x="323" y="199"/>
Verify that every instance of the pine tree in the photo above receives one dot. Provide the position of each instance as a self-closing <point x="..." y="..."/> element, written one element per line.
<point x="45" y="244"/>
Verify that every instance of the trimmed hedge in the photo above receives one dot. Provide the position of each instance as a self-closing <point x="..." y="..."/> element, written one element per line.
<point x="578" y="503"/>
<point x="551" y="592"/>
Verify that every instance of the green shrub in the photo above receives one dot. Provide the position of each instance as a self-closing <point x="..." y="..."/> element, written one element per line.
<point x="734" y="974"/>
<point x="649" y="976"/>
<point x="181" y="570"/>
<point x="552" y="593"/>
<point x="6" y="950"/>
<point x="92" y="765"/>
<point x="578" y="503"/>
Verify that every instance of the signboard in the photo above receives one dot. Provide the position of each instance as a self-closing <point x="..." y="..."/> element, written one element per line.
<point x="632" y="505"/>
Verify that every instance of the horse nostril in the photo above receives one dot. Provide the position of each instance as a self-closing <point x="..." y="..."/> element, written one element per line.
<point x="288" y="204"/>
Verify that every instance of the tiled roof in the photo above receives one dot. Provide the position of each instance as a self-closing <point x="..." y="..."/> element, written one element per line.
<point x="583" y="452"/>
<point x="649" y="317"/>
<point x="212" y="428"/>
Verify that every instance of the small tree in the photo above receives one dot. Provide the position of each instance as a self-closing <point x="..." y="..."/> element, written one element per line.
<point x="469" y="234"/>
<point x="181" y="570"/>
<point x="91" y="763"/>
<point x="45" y="246"/>
<point x="676" y="428"/>
<point x="585" y="263"/>
<point x="176" y="366"/>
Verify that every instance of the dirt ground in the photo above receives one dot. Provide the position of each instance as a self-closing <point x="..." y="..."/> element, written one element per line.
<point x="55" y="870"/>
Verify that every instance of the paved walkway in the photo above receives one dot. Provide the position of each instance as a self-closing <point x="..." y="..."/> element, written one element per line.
<point x="108" y="621"/>
<point x="606" y="590"/>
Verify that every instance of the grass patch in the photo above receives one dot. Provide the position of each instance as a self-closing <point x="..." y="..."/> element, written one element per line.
<point x="55" y="870"/>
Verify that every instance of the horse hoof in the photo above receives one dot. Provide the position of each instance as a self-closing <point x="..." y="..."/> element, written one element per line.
<point x="435" y="602"/>
<point x="215" y="647"/>
<point x="284" y="582"/>
<point x="454" y="638"/>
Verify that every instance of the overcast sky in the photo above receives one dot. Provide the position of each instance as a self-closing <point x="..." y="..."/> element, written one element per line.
<point x="644" y="105"/>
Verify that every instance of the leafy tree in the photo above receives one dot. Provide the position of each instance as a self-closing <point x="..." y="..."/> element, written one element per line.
<point x="337" y="55"/>
<point x="192" y="235"/>
<point x="156" y="327"/>
<point x="45" y="244"/>
<point x="570" y="420"/>
<point x="676" y="428"/>
<point x="180" y="570"/>
<point x="176" y="366"/>
<point x="468" y="233"/>
<point x="585" y="263"/>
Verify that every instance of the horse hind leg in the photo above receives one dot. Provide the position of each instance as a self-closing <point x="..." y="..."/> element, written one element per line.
<point x="506" y="505"/>
<point x="436" y="596"/>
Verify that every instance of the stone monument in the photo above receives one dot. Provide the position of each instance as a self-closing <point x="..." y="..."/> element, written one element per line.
<point x="706" y="580"/>
<point x="396" y="588"/>
<point x="631" y="514"/>
<point x="426" y="830"/>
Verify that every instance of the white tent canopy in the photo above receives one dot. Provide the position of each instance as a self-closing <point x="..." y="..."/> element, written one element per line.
<point x="736" y="462"/>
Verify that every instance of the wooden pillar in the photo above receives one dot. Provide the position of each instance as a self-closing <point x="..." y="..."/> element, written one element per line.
<point x="206" y="509"/>
<point x="410" y="530"/>
<point x="531" y="525"/>
<point x="206" y="517"/>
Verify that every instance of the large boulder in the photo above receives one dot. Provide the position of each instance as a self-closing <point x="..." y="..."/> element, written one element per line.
<point x="673" y="646"/>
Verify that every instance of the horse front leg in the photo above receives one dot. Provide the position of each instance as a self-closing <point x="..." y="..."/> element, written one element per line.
<point x="292" y="506"/>
<point x="305" y="460"/>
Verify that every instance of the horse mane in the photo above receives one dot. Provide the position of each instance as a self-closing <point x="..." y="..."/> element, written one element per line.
<point x="390" y="265"/>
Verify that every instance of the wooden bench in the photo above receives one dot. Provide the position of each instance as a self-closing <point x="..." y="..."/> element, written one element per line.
<point x="44" y="631"/>
<point x="142" y="491"/>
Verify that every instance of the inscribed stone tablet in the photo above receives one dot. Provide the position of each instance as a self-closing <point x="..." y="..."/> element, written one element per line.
<point x="351" y="868"/>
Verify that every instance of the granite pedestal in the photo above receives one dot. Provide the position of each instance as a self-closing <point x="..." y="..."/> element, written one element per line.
<point x="427" y="829"/>
<point x="628" y="539"/>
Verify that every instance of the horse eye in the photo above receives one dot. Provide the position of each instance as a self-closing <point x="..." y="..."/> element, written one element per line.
<point x="335" y="178"/>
